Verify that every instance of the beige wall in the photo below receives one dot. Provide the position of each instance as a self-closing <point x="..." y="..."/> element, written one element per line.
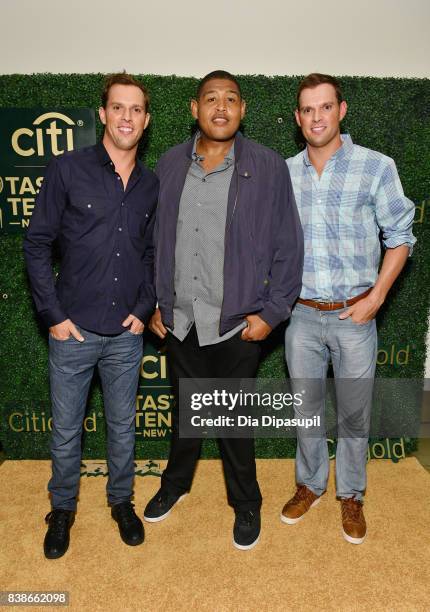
<point x="191" y="37"/>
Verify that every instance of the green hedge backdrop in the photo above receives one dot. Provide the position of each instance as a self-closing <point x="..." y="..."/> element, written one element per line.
<point x="389" y="115"/>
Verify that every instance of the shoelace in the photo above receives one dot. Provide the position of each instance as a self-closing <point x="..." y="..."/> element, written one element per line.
<point x="58" y="521"/>
<point x="300" y="494"/>
<point x="351" y="509"/>
<point x="126" y="513"/>
<point x="246" y="518"/>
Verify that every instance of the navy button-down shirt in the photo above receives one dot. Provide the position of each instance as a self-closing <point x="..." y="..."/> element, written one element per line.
<point x="104" y="234"/>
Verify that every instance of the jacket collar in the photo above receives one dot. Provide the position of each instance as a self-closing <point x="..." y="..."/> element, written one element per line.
<point x="241" y="160"/>
<point x="238" y="145"/>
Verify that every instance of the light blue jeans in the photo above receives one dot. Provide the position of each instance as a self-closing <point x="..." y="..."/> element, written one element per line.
<point x="71" y="368"/>
<point x="312" y="338"/>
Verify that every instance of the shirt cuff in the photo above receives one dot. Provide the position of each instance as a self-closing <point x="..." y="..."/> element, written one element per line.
<point x="143" y="310"/>
<point x="52" y="316"/>
<point x="396" y="241"/>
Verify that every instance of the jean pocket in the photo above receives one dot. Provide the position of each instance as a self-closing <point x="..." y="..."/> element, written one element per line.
<point x="58" y="340"/>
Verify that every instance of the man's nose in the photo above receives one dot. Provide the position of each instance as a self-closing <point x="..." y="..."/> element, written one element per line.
<point x="221" y="105"/>
<point x="317" y="116"/>
<point x="126" y="114"/>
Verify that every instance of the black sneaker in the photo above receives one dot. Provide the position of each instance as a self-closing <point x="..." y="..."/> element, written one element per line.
<point x="246" y="531"/>
<point x="130" y="525"/>
<point x="57" y="537"/>
<point x="160" y="506"/>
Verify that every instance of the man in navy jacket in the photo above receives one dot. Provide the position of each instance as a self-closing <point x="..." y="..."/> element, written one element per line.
<point x="229" y="252"/>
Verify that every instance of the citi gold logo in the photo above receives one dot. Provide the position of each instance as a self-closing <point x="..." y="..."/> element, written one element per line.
<point x="49" y="130"/>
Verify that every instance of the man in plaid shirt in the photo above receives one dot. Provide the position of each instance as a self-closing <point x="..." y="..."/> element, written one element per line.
<point x="346" y="196"/>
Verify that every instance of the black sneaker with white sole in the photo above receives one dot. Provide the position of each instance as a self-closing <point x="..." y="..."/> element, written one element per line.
<point x="160" y="506"/>
<point x="246" y="530"/>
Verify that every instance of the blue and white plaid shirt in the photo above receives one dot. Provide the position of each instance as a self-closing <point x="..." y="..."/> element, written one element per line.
<point x="342" y="212"/>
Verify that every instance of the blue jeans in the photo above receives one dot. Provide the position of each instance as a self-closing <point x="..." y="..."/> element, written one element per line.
<point x="71" y="368"/>
<point x="312" y="338"/>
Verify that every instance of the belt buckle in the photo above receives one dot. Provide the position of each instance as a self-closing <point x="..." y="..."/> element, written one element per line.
<point x="322" y="303"/>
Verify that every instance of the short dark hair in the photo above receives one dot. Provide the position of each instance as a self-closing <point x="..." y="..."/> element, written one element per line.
<point x="316" y="78"/>
<point x="123" y="78"/>
<point x="217" y="74"/>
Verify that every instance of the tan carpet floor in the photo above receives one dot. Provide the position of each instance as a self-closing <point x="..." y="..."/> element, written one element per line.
<point x="188" y="561"/>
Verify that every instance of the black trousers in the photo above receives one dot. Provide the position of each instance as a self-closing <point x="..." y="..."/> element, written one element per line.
<point x="233" y="358"/>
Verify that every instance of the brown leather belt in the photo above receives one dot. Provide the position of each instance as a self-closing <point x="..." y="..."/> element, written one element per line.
<point x="334" y="305"/>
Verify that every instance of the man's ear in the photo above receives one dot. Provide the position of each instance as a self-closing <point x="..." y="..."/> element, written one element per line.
<point x="343" y="108"/>
<point x="194" y="107"/>
<point x="147" y="119"/>
<point x="242" y="109"/>
<point x="102" y="115"/>
<point x="297" y="116"/>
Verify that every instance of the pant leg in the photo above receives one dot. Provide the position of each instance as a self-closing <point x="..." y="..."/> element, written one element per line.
<point x="353" y="349"/>
<point x="71" y="367"/>
<point x="119" y="367"/>
<point x="236" y="359"/>
<point x="307" y="358"/>
<point x="185" y="360"/>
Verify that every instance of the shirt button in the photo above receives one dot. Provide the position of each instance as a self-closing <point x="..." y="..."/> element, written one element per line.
<point x="113" y="303"/>
<point x="146" y="215"/>
<point x="195" y="299"/>
<point x="198" y="204"/>
<point x="89" y="205"/>
<point x="116" y="278"/>
<point x="122" y="204"/>
<point x="195" y="254"/>
<point x="203" y="180"/>
<point x="117" y="254"/>
<point x="195" y="277"/>
<point x="118" y="177"/>
<point x="197" y="229"/>
<point x="319" y="201"/>
<point x="120" y="229"/>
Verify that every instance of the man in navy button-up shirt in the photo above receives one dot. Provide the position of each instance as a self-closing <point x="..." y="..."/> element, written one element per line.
<point x="98" y="203"/>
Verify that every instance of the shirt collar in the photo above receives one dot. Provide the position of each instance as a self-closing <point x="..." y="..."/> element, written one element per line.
<point x="341" y="152"/>
<point x="104" y="158"/>
<point x="228" y="159"/>
<point x="102" y="154"/>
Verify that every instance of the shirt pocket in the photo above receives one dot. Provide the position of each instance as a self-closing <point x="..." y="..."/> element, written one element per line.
<point x="137" y="220"/>
<point x="89" y="217"/>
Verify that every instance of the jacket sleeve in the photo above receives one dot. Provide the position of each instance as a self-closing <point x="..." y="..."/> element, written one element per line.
<point x="43" y="230"/>
<point x="285" y="280"/>
<point x="146" y="300"/>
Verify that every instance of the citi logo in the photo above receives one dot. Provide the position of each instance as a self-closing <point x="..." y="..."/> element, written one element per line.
<point x="45" y="139"/>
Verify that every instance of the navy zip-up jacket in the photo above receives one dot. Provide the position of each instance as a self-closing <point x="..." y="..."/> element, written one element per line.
<point x="263" y="260"/>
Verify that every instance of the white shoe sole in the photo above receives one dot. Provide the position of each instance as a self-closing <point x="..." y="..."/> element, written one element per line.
<point x="166" y="514"/>
<point x="248" y="547"/>
<point x="352" y="540"/>
<point x="291" y="521"/>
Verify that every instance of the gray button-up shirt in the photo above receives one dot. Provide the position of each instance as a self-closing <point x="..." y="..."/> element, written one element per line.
<point x="199" y="254"/>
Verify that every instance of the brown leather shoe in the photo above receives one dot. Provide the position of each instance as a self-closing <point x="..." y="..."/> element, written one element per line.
<point x="353" y="522"/>
<point x="297" y="506"/>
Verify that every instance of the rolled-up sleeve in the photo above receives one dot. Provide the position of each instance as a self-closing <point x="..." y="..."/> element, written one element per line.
<point x="394" y="211"/>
